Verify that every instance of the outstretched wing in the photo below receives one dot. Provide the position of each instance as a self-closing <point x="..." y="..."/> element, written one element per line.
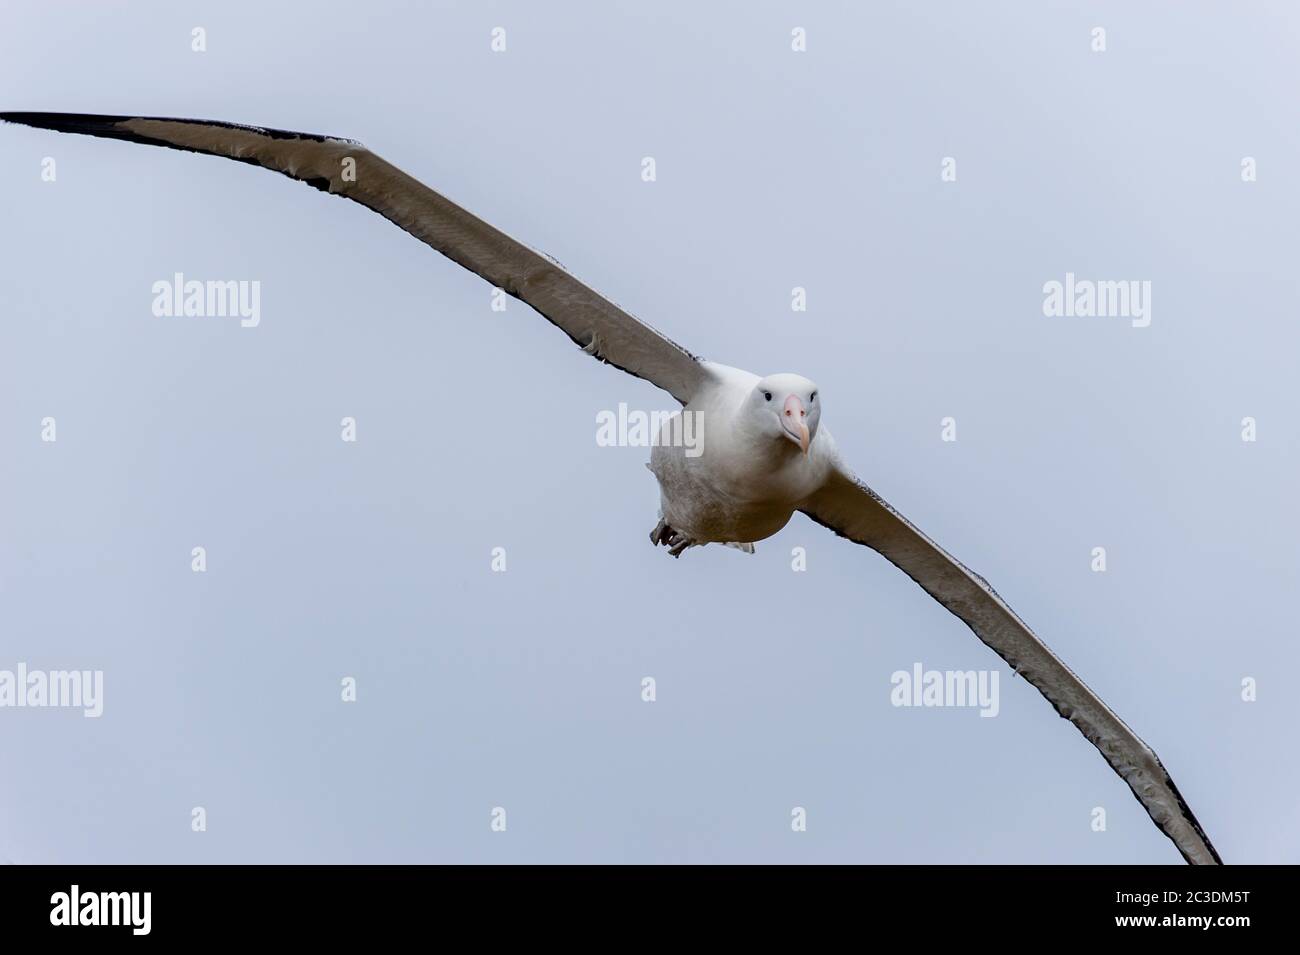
<point x="349" y="169"/>
<point x="851" y="509"/>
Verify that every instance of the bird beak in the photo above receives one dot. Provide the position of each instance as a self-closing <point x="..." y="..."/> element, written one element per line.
<point x="792" y="420"/>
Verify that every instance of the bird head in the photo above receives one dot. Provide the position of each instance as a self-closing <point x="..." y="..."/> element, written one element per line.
<point x="787" y="407"/>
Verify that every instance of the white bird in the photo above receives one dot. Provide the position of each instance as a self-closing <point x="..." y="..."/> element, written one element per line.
<point x="763" y="454"/>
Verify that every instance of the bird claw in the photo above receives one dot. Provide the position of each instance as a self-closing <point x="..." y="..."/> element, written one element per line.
<point x="675" y="541"/>
<point x="678" y="543"/>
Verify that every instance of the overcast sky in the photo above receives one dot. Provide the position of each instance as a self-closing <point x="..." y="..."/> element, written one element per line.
<point x="522" y="689"/>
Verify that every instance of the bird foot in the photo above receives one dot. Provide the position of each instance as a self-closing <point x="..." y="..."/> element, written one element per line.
<point x="675" y="541"/>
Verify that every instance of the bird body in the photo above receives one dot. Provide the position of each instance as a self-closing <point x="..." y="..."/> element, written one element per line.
<point x="762" y="454"/>
<point x="749" y="476"/>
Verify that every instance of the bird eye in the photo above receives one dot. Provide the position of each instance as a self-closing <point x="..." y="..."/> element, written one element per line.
<point x="767" y="395"/>
<point x="814" y="396"/>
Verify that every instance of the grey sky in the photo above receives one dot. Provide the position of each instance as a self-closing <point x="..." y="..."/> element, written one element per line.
<point x="476" y="430"/>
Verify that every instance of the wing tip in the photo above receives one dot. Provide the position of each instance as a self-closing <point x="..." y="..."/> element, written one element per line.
<point x="97" y="124"/>
<point x="63" y="122"/>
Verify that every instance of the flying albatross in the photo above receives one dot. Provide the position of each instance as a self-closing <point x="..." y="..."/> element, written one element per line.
<point x="766" y="454"/>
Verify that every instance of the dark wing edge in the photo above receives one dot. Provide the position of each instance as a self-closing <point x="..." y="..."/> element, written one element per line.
<point x="852" y="510"/>
<point x="593" y="322"/>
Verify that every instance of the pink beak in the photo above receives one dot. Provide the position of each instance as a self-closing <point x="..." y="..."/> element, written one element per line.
<point x="793" y="422"/>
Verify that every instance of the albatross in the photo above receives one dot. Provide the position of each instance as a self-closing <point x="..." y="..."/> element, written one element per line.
<point x="766" y="453"/>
